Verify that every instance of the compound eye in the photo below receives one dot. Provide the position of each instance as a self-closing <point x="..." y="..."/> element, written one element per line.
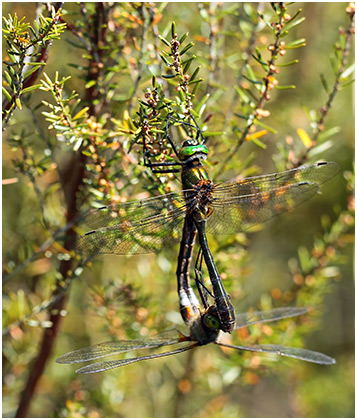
<point x="212" y="322"/>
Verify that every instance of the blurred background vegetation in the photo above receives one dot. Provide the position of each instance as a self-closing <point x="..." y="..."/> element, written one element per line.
<point x="54" y="302"/>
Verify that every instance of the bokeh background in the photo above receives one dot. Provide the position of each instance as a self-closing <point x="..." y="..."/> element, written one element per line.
<point x="125" y="297"/>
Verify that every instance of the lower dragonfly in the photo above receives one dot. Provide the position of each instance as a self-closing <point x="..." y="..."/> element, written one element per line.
<point x="202" y="207"/>
<point x="203" y="329"/>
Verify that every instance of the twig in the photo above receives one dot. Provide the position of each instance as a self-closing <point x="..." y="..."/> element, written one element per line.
<point x="213" y="58"/>
<point x="141" y="54"/>
<point x="275" y="49"/>
<point x="50" y="304"/>
<point x="43" y="248"/>
<point x="326" y="108"/>
<point x="10" y="106"/>
<point x="248" y="55"/>
<point x="35" y="186"/>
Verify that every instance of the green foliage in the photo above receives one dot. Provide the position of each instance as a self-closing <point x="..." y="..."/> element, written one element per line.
<point x="254" y="76"/>
<point x="26" y="54"/>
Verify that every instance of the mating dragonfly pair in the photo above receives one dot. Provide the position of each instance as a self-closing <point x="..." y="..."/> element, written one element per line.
<point x="201" y="207"/>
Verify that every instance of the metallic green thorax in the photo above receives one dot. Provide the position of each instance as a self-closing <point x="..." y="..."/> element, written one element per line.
<point x="193" y="171"/>
<point x="188" y="151"/>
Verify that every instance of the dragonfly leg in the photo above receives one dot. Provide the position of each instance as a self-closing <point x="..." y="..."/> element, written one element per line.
<point x="184" y="123"/>
<point x="225" y="309"/>
<point x="200" y="283"/>
<point x="156" y="167"/>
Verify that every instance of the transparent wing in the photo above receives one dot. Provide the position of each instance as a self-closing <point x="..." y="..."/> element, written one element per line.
<point x="133" y="228"/>
<point x="241" y="204"/>
<point x="238" y="213"/>
<point x="293" y="352"/>
<point x="250" y="318"/>
<point x="112" y="364"/>
<point x="318" y="173"/>
<point x="111" y="348"/>
<point x="149" y="225"/>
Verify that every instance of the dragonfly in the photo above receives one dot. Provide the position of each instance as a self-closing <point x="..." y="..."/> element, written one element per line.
<point x="201" y="207"/>
<point x="204" y="329"/>
<point x="189" y="304"/>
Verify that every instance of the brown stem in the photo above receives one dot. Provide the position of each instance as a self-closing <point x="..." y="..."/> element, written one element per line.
<point x="50" y="334"/>
<point x="42" y="58"/>
<point x="71" y="182"/>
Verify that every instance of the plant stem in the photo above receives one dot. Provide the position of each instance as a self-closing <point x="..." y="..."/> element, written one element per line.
<point x="71" y="183"/>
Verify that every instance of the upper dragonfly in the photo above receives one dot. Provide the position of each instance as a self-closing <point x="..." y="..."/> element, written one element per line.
<point x="146" y="226"/>
<point x="203" y="329"/>
<point x="202" y="207"/>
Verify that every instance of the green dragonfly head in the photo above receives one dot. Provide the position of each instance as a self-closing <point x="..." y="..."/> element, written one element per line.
<point x="211" y="320"/>
<point x="191" y="150"/>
